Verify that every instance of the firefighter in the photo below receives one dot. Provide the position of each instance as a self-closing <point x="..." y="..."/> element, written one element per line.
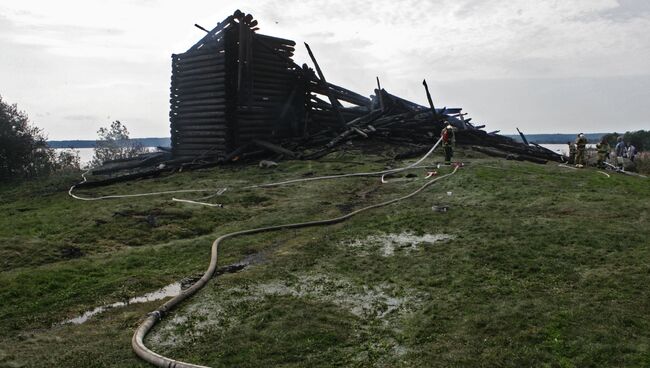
<point x="572" y="153"/>
<point x="448" y="141"/>
<point x="581" y="146"/>
<point x="603" y="150"/>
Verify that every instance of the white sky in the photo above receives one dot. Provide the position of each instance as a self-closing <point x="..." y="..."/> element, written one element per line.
<point x="543" y="66"/>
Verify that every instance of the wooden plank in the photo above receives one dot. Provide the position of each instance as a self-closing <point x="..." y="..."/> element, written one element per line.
<point x="193" y="78"/>
<point x="197" y="108"/>
<point x="180" y="92"/>
<point x="199" y="57"/>
<point x="274" y="148"/>
<point x="275" y="40"/>
<point x="181" y="120"/>
<point x="197" y="96"/>
<point x="199" y="146"/>
<point x="336" y="104"/>
<point x="218" y="82"/>
<point x="210" y="114"/>
<point x="209" y="69"/>
<point x="199" y="133"/>
<point x="211" y="35"/>
<point x="200" y="140"/>
<point x="214" y="151"/>
<point x="189" y="127"/>
<point x="210" y="101"/>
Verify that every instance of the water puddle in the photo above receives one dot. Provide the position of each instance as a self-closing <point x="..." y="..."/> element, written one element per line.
<point x="169" y="290"/>
<point x="388" y="244"/>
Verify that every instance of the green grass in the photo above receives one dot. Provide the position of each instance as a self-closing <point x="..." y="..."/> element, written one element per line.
<point x="548" y="267"/>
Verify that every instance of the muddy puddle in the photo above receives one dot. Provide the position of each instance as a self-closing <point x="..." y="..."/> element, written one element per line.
<point x="388" y="244"/>
<point x="382" y="303"/>
<point x="169" y="290"/>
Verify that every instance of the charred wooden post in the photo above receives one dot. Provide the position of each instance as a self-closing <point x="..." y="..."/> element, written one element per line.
<point x="335" y="103"/>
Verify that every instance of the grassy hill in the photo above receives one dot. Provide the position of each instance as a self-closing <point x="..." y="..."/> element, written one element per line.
<point x="540" y="266"/>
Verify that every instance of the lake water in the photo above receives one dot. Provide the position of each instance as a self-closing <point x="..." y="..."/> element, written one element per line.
<point x="86" y="154"/>
<point x="562" y="148"/>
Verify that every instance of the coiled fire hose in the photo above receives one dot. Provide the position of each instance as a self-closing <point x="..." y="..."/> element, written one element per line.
<point x="137" y="342"/>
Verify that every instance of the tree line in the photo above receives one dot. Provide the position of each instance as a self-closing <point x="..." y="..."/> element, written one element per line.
<point x="24" y="152"/>
<point x="640" y="139"/>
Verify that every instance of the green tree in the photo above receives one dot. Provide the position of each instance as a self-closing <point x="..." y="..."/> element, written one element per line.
<point x="640" y="139"/>
<point x="114" y="144"/>
<point x="67" y="160"/>
<point x="23" y="147"/>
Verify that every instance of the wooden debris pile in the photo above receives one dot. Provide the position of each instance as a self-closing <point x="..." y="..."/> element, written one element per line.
<point x="237" y="94"/>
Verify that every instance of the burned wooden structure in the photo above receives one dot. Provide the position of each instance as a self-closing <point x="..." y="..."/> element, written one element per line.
<point x="231" y="87"/>
<point x="237" y="92"/>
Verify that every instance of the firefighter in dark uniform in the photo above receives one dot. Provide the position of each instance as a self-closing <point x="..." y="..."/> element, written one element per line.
<point x="603" y="150"/>
<point x="448" y="141"/>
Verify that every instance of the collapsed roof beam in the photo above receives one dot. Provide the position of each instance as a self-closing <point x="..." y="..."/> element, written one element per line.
<point x="335" y="103"/>
<point x="433" y="108"/>
<point x="220" y="27"/>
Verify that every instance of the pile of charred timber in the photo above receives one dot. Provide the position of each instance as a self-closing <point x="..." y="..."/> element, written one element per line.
<point x="237" y="95"/>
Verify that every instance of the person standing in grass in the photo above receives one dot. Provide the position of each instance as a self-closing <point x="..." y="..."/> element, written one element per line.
<point x="603" y="149"/>
<point x="581" y="146"/>
<point x="631" y="152"/>
<point x="620" y="147"/>
<point x="448" y="140"/>
<point x="572" y="153"/>
<point x="620" y="152"/>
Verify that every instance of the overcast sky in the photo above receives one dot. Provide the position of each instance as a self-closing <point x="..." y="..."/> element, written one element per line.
<point x="543" y="66"/>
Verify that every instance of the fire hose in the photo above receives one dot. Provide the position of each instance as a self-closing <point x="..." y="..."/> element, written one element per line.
<point x="137" y="342"/>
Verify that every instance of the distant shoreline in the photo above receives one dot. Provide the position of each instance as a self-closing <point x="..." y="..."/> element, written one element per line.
<point x="557" y="138"/>
<point x="80" y="143"/>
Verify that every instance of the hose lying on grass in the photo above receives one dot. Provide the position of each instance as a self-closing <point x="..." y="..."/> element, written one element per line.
<point x="220" y="191"/>
<point x="371" y="173"/>
<point x="137" y="342"/>
<point x="217" y="191"/>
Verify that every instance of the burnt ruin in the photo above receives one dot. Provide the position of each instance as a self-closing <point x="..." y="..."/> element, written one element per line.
<point x="237" y="95"/>
<point x="237" y="91"/>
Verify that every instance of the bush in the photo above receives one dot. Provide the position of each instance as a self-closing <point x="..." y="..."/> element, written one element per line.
<point x="24" y="152"/>
<point x="642" y="162"/>
<point x="640" y="139"/>
<point x="114" y="144"/>
<point x="67" y="160"/>
<point x="23" y="147"/>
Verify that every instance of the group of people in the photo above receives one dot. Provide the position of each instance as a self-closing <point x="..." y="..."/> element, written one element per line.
<point x="624" y="150"/>
<point x="577" y="151"/>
